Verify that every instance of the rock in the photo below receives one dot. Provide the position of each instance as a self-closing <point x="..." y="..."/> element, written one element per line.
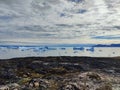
<point x="34" y="83"/>
<point x="53" y="77"/>
<point x="78" y="85"/>
<point x="106" y="86"/>
<point x="58" y="70"/>
<point x="14" y="86"/>
<point x="69" y="87"/>
<point x="2" y="82"/>
<point x="41" y="83"/>
<point x="27" y="88"/>
<point x="31" y="84"/>
<point x="93" y="76"/>
<point x="72" y="67"/>
<point x="24" y="81"/>
<point x="4" y="87"/>
<point x="8" y="74"/>
<point x="36" y="64"/>
<point x="44" y="84"/>
<point x="15" y="89"/>
<point x="82" y="76"/>
<point x="39" y="67"/>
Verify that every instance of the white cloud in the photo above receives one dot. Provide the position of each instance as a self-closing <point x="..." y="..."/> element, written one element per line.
<point x="59" y="21"/>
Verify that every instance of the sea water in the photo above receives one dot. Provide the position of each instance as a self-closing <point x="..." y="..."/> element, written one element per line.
<point x="13" y="51"/>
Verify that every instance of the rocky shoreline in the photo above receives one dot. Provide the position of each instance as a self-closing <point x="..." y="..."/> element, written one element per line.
<point x="60" y="73"/>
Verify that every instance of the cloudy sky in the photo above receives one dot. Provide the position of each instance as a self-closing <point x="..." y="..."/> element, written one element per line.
<point x="59" y="21"/>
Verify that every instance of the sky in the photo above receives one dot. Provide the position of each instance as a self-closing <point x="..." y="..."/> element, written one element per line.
<point x="59" y="22"/>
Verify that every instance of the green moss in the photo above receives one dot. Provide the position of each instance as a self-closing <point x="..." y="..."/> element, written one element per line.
<point x="23" y="81"/>
<point x="57" y="70"/>
<point x="36" y="75"/>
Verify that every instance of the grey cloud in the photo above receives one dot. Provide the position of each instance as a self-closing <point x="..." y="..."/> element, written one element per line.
<point x="56" y="19"/>
<point x="117" y="27"/>
<point x="32" y="28"/>
<point x="64" y="25"/>
<point x="37" y="6"/>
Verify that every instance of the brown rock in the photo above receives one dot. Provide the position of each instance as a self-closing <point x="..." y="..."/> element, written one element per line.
<point x="106" y="86"/>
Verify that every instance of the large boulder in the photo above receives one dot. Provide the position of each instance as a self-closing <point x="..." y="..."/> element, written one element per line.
<point x="69" y="87"/>
<point x="93" y="76"/>
<point x="74" y="86"/>
<point x="105" y="86"/>
<point x="39" y="83"/>
<point x="2" y="87"/>
<point x="14" y="86"/>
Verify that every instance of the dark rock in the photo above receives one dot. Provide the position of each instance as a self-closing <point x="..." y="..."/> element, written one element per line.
<point x="53" y="77"/>
<point x="94" y="76"/>
<point x="41" y="83"/>
<point x="73" y="86"/>
<point x="60" y="73"/>
<point x="57" y="70"/>
<point x="69" y="87"/>
<point x="8" y="74"/>
<point x="35" y="64"/>
<point x="72" y="66"/>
